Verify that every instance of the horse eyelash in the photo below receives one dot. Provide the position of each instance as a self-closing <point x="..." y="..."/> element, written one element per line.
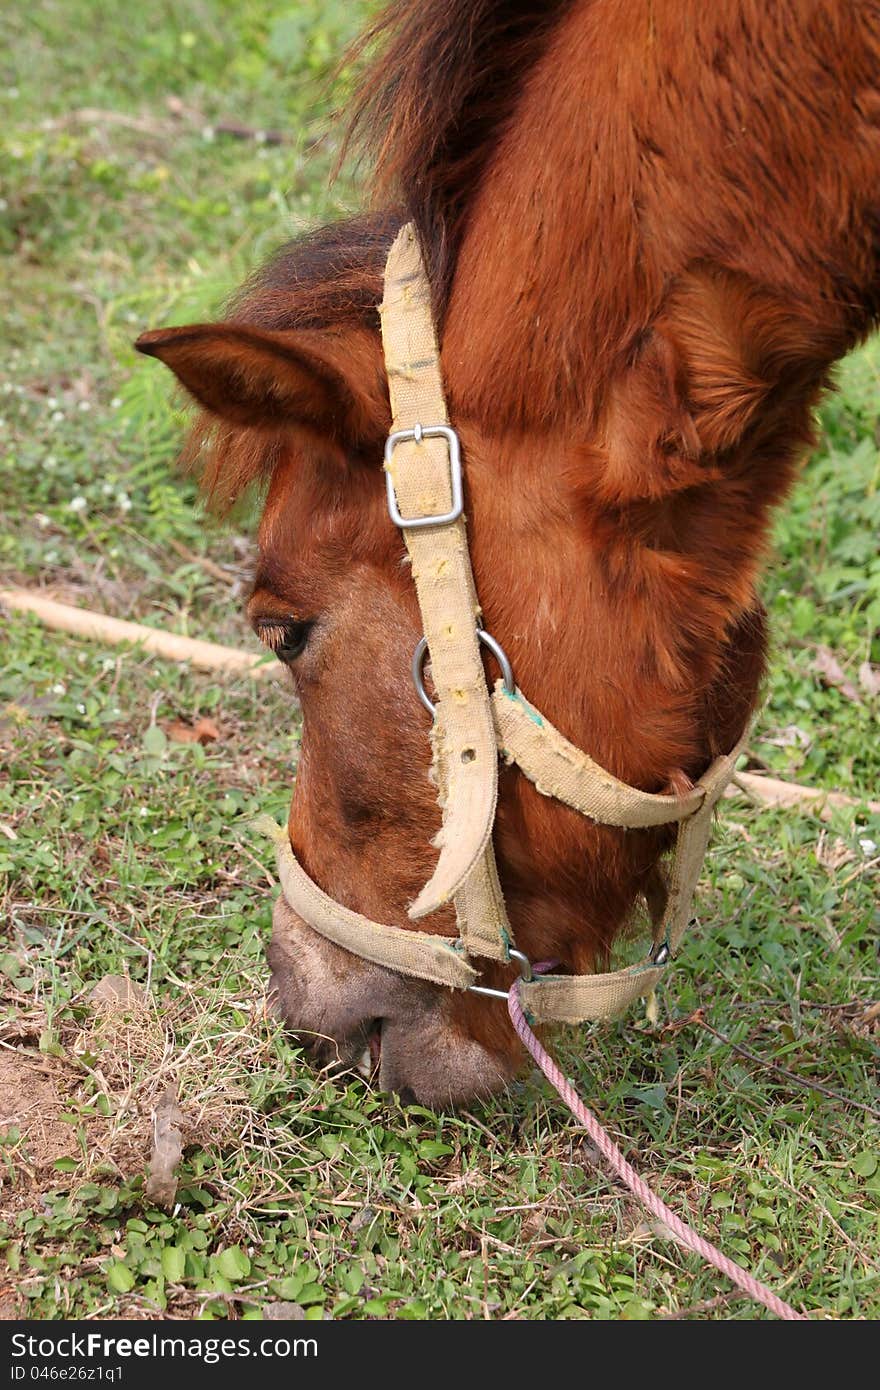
<point x="273" y="635"/>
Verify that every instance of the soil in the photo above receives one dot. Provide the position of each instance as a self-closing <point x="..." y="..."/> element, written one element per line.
<point x="31" y="1101"/>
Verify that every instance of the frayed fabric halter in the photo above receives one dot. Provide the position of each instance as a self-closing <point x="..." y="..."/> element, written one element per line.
<point x="473" y="725"/>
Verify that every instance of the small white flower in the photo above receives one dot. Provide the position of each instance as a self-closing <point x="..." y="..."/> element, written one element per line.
<point x="867" y="846"/>
<point x="144" y="811"/>
<point x="56" y="417"/>
<point x="85" y="406"/>
<point x="59" y="688"/>
<point x="51" y="402"/>
<point x="77" y="504"/>
<point x="208" y="133"/>
<point x="116" y="403"/>
<point x="81" y="708"/>
<point x="108" y="663"/>
<point x="42" y="520"/>
<point x="123" y="501"/>
<point x="50" y="462"/>
<point x="4" y="205"/>
<point x="113" y="552"/>
<point x="106" y="489"/>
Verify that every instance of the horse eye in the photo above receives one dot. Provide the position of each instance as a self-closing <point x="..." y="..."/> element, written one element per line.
<point x="287" y="637"/>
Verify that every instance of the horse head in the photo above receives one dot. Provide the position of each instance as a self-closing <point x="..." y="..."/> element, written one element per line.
<point x="647" y="247"/>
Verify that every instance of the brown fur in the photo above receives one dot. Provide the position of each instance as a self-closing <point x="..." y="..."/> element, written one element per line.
<point x="652" y="228"/>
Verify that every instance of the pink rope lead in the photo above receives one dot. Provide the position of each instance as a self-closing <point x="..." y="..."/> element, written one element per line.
<point x="627" y="1174"/>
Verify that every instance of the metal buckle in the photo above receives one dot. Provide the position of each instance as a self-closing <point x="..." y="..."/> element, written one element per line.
<point x="500" y="655"/>
<point x="526" y="974"/>
<point x="418" y="433"/>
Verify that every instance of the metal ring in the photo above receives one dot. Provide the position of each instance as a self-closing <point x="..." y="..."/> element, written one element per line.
<point x="500" y="656"/>
<point x="418" y="661"/>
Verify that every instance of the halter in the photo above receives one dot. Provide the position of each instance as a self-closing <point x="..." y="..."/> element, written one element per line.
<point x="473" y="724"/>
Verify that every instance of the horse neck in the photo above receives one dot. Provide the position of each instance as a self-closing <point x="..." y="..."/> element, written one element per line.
<point x="670" y="247"/>
<point x="653" y="143"/>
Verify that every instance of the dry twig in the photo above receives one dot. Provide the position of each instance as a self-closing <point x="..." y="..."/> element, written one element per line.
<point x="698" y="1017"/>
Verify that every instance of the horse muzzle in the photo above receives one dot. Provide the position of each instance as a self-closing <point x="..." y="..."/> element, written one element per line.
<point x="340" y="1006"/>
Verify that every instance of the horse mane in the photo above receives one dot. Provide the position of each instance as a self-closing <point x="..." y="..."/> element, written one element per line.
<point x="433" y="104"/>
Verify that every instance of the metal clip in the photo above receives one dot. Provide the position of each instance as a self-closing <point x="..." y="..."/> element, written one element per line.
<point x="526" y="974"/>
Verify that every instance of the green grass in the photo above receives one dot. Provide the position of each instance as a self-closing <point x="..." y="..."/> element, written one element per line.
<point x="124" y="852"/>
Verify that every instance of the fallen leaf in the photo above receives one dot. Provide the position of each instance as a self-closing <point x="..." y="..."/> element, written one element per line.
<point x="168" y="1123"/>
<point x="869" y="678"/>
<point x="179" y="732"/>
<point x="203" y="731"/>
<point x="829" y="668"/>
<point x="116" y="993"/>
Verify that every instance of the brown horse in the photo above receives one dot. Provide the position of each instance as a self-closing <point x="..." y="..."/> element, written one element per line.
<point x="651" y="227"/>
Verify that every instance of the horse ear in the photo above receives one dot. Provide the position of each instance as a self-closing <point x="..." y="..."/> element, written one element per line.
<point x="256" y="379"/>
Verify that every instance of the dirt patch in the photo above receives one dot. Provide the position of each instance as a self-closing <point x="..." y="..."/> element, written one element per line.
<point x="96" y="1103"/>
<point x="31" y="1088"/>
<point x="47" y="1104"/>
